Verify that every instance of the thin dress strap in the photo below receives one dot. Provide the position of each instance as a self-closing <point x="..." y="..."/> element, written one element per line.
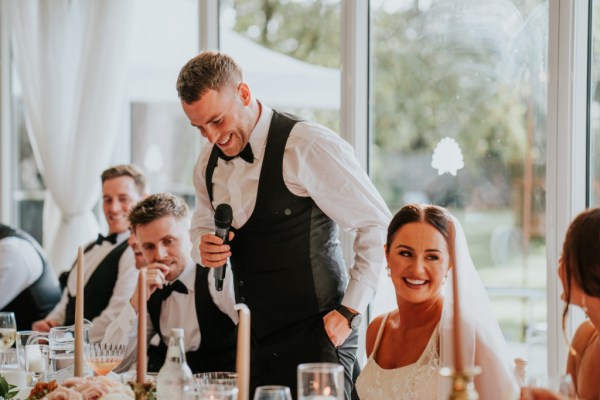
<point x="379" y="334"/>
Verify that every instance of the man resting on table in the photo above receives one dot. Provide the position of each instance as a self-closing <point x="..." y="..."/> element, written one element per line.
<point x="181" y="294"/>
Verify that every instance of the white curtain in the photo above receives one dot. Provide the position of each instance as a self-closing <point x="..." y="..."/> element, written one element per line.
<point x="71" y="60"/>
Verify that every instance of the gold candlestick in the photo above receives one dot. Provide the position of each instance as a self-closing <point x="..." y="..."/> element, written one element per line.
<point x="463" y="385"/>
<point x="143" y="390"/>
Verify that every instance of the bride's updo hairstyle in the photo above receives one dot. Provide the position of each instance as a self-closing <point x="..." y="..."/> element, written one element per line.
<point x="436" y="216"/>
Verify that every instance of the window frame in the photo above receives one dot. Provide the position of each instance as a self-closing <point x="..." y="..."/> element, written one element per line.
<point x="566" y="174"/>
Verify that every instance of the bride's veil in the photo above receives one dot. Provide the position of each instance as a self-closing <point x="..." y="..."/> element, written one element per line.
<point x="482" y="341"/>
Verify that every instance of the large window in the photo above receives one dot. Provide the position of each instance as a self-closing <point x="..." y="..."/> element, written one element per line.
<point x="458" y="118"/>
<point x="289" y="51"/>
<point x="28" y="196"/>
<point x="163" y="143"/>
<point x="594" y="109"/>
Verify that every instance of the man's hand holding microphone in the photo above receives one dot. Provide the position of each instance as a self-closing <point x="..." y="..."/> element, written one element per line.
<point x="214" y="249"/>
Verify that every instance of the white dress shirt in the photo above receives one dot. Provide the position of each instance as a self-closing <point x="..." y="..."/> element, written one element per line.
<point x="317" y="163"/>
<point x="122" y="291"/>
<point x="20" y="267"/>
<point x="177" y="311"/>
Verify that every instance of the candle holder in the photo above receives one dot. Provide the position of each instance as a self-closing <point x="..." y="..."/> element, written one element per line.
<point x="143" y="390"/>
<point x="463" y="385"/>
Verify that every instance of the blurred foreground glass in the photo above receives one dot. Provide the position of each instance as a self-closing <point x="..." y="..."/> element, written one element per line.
<point x="130" y="376"/>
<point x="564" y="386"/>
<point x="320" y="381"/>
<point x="210" y="392"/>
<point x="272" y="393"/>
<point x="8" y="330"/>
<point x="10" y="368"/>
<point x="216" y="378"/>
<point x="37" y="361"/>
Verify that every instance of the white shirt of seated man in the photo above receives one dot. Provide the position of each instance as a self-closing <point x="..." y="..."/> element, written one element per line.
<point x="119" y="194"/>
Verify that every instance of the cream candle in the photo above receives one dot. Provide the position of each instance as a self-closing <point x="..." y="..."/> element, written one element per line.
<point x="243" y="352"/>
<point x="142" y="343"/>
<point x="79" y="327"/>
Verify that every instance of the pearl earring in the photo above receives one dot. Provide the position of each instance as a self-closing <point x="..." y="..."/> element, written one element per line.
<point x="389" y="272"/>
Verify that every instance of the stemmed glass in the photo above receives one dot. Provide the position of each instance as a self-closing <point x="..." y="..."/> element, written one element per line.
<point x="104" y="357"/>
<point x="272" y="393"/>
<point x="8" y="330"/>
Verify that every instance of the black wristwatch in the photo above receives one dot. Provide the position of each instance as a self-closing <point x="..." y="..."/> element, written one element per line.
<point x="354" y="320"/>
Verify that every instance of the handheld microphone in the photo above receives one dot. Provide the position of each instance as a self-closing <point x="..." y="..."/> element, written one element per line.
<point x="223" y="218"/>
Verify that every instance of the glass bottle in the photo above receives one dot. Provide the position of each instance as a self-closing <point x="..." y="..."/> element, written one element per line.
<point x="175" y="373"/>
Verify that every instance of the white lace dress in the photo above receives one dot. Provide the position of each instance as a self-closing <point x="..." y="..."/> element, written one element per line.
<point x="416" y="381"/>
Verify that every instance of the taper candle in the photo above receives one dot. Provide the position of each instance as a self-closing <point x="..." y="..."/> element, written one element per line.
<point x="142" y="362"/>
<point x="243" y="352"/>
<point x="79" y="327"/>
<point x="458" y="361"/>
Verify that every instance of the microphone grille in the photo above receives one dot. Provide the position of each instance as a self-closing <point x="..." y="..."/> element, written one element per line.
<point x="223" y="215"/>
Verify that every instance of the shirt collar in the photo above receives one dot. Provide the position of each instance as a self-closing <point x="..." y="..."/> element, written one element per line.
<point x="188" y="276"/>
<point x="258" y="137"/>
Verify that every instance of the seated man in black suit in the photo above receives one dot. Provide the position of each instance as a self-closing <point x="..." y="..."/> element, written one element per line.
<point x="28" y="284"/>
<point x="181" y="294"/>
<point x="109" y="271"/>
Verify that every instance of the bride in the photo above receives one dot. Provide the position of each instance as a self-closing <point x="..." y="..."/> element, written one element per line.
<point x="407" y="346"/>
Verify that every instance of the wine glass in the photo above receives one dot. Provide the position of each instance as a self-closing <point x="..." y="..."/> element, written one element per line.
<point x="8" y="330"/>
<point x="272" y="393"/>
<point x="104" y="357"/>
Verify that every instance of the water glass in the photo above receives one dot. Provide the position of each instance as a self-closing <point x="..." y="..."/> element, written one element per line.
<point x="272" y="393"/>
<point x="10" y="368"/>
<point x="8" y="330"/>
<point x="37" y="361"/>
<point x="29" y="337"/>
<point x="320" y="381"/>
<point x="210" y="392"/>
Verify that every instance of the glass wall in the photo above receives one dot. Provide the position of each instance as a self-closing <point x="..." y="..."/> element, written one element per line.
<point x="594" y="110"/>
<point x="289" y="51"/>
<point x="163" y="143"/>
<point x="458" y="119"/>
<point x="28" y="196"/>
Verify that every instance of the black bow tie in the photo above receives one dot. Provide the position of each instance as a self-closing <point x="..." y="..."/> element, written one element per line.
<point x="246" y="154"/>
<point x="110" y="238"/>
<point x="166" y="290"/>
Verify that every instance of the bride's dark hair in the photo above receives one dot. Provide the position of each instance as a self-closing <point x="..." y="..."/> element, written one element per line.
<point x="436" y="216"/>
<point x="581" y="255"/>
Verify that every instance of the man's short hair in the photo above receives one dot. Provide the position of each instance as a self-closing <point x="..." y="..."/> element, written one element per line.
<point x="209" y="70"/>
<point x="157" y="206"/>
<point x="127" y="170"/>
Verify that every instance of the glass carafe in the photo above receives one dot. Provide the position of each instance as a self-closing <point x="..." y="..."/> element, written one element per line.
<point x="62" y="351"/>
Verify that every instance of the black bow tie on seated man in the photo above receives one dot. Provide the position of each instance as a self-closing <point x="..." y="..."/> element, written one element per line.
<point x="112" y="238"/>
<point x="166" y="290"/>
<point x="246" y="154"/>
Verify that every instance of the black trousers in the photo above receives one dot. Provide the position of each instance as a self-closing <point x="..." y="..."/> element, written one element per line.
<point x="275" y="358"/>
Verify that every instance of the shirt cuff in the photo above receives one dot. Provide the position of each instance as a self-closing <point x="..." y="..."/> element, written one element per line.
<point x="357" y="296"/>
